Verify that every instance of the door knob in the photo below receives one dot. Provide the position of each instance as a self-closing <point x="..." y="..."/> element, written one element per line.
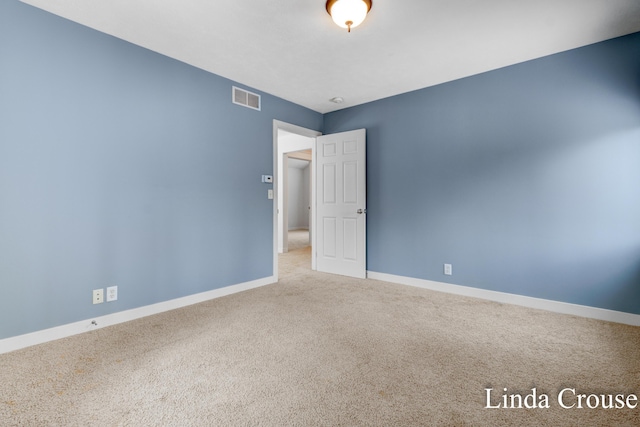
<point x="361" y="211"/>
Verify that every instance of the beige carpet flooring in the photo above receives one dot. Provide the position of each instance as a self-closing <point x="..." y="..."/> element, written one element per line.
<point x="323" y="350"/>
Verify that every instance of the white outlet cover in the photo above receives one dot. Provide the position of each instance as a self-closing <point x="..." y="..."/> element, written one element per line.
<point x="112" y="293"/>
<point x="98" y="296"/>
<point x="448" y="270"/>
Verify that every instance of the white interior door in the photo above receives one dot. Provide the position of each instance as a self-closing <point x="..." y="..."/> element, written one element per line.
<point x="341" y="220"/>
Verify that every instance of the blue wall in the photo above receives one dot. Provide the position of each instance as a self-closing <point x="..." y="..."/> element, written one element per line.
<point x="121" y="166"/>
<point x="526" y="179"/>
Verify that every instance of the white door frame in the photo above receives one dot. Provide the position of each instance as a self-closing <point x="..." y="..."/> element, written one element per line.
<point x="285" y="203"/>
<point x="288" y="127"/>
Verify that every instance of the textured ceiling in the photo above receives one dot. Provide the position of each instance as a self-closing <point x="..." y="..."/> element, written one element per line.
<point x="292" y="49"/>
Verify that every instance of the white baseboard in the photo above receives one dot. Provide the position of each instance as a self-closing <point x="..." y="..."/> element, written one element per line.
<point x="531" y="302"/>
<point x="63" y="331"/>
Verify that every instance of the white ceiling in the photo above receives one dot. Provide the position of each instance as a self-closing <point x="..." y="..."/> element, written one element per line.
<point x="298" y="164"/>
<point x="292" y="49"/>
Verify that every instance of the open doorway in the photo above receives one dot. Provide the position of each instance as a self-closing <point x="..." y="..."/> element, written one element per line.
<point x="338" y="196"/>
<point x="297" y="224"/>
<point x="292" y="144"/>
<point x="295" y="153"/>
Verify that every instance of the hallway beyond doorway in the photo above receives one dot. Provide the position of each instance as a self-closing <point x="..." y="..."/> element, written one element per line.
<point x="299" y="256"/>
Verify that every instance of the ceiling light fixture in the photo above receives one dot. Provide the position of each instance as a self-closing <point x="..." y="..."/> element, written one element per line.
<point x="348" y="13"/>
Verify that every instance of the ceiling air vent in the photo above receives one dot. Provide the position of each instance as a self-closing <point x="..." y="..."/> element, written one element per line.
<point x="246" y="98"/>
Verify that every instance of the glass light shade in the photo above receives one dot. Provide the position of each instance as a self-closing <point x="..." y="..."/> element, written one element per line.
<point x="344" y="11"/>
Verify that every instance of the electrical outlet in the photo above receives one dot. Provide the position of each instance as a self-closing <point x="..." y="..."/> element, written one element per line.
<point x="98" y="297"/>
<point x="112" y="293"/>
<point x="448" y="270"/>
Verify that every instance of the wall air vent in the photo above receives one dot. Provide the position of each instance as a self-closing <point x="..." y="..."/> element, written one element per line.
<point x="245" y="98"/>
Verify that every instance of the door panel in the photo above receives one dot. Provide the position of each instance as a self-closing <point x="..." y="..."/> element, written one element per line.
<point x="341" y="205"/>
<point x="350" y="231"/>
<point x="350" y="173"/>
<point x="329" y="237"/>
<point x="329" y="182"/>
